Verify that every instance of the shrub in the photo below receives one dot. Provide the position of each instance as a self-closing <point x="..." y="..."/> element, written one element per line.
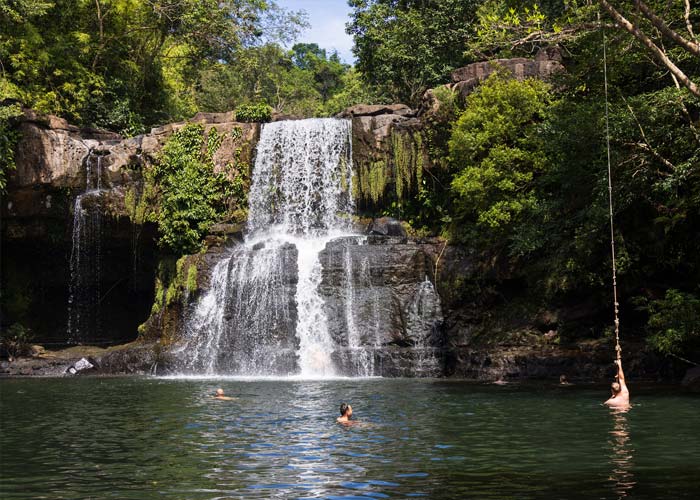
<point x="674" y="322"/>
<point x="193" y="197"/>
<point x="260" y="112"/>
<point x="16" y="341"/>
<point x="497" y="152"/>
<point x="8" y="140"/>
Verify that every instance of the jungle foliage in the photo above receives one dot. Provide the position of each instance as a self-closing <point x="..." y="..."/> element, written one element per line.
<point x="126" y="65"/>
<point x="8" y="139"/>
<point x="405" y="46"/>
<point x="190" y="195"/>
<point x="519" y="169"/>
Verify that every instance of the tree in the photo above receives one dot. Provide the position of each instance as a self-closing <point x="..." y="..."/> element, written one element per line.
<point x="260" y="74"/>
<point x="327" y="71"/>
<point x="509" y="27"/>
<point x="303" y="81"/>
<point x="352" y="90"/>
<point x="122" y="64"/>
<point x="497" y="153"/>
<point x="651" y="30"/>
<point x="405" y="46"/>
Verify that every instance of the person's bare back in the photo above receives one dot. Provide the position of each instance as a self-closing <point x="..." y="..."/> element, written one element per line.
<point x="620" y="397"/>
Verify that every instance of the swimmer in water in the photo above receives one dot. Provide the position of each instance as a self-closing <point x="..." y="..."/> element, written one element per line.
<point x="220" y="396"/>
<point x="620" y="398"/>
<point x="345" y="414"/>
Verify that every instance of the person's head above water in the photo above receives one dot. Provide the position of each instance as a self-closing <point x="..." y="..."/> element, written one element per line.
<point x="345" y="410"/>
<point x="220" y="396"/>
<point x="615" y="387"/>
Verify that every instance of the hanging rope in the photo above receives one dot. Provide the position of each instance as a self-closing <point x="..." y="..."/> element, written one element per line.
<point x="618" y="350"/>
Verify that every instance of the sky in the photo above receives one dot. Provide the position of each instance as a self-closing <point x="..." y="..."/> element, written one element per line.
<point x="327" y="19"/>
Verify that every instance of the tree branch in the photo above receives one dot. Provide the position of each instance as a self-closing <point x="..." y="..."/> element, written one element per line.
<point x="689" y="118"/>
<point x="692" y="47"/>
<point x="659" y="54"/>
<point x="688" y="24"/>
<point x="645" y="145"/>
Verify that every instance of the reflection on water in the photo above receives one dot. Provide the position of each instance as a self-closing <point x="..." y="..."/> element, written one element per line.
<point x="170" y="439"/>
<point x="621" y="457"/>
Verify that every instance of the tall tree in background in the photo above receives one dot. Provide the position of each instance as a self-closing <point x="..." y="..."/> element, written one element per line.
<point x="303" y="81"/>
<point x="405" y="46"/>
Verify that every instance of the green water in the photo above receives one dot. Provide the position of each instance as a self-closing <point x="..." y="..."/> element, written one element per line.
<point x="168" y="439"/>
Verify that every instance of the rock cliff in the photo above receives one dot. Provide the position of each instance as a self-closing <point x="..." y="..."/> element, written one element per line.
<point x="56" y="164"/>
<point x="416" y="302"/>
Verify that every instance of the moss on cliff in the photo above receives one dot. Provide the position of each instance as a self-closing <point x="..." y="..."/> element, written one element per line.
<point x="176" y="285"/>
<point x="407" y="151"/>
<point x="393" y="172"/>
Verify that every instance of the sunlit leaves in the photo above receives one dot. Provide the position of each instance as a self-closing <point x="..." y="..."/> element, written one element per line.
<point x="496" y="151"/>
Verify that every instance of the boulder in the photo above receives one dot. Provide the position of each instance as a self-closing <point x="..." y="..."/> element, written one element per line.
<point x="691" y="380"/>
<point x="279" y="117"/>
<point x="135" y="358"/>
<point x="546" y="63"/>
<point x="48" y="156"/>
<point x="83" y="364"/>
<point x="208" y="118"/>
<point x="387" y="226"/>
<point x="376" y="110"/>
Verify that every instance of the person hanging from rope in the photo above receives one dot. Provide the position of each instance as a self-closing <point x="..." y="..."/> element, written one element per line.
<point x="620" y="397"/>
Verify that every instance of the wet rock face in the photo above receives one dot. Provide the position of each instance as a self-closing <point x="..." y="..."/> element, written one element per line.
<point x="691" y="380"/>
<point x="243" y="320"/>
<point x="256" y="333"/>
<point x="381" y="306"/>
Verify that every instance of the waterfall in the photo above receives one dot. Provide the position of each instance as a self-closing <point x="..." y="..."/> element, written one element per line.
<point x="86" y="257"/>
<point x="304" y="294"/>
<point x="262" y="314"/>
<point x="360" y="354"/>
<point x="421" y="313"/>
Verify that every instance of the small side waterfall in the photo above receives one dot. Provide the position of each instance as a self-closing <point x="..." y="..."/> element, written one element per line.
<point x="360" y="352"/>
<point x="300" y="295"/>
<point x="86" y="256"/>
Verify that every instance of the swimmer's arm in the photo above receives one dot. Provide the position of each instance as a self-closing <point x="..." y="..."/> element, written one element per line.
<point x="620" y="373"/>
<point x="621" y="376"/>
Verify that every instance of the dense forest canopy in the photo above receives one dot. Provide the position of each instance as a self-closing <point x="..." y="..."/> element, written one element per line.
<point x="519" y="168"/>
<point x="125" y="65"/>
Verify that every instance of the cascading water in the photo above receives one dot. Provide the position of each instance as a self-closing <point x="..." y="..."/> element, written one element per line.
<point x="360" y="352"/>
<point x="420" y="314"/>
<point x="262" y="314"/>
<point x="86" y="257"/>
<point x="300" y="296"/>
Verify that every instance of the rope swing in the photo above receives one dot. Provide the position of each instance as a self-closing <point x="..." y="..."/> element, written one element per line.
<point x="618" y="350"/>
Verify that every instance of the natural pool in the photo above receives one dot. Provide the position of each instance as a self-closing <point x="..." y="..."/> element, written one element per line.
<point x="146" y="438"/>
